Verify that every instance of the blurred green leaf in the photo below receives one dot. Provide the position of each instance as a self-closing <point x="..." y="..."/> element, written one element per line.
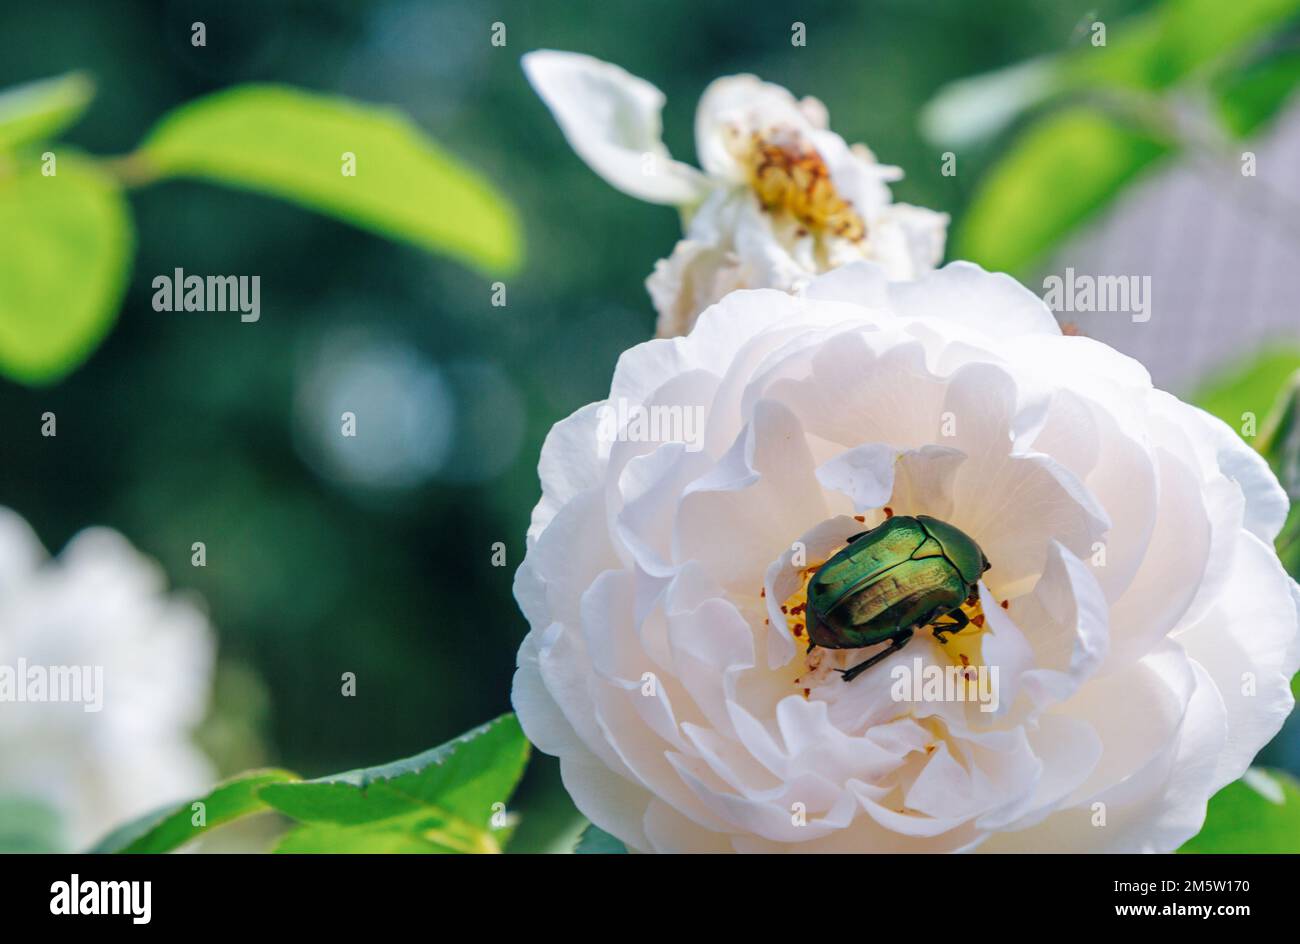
<point x="39" y="110"/>
<point x="1252" y="97"/>
<point x="1258" y="814"/>
<point x="1249" y="385"/>
<point x="1057" y="175"/>
<point x="28" y="825"/>
<point x="171" y="828"/>
<point x="446" y="797"/>
<point x="1288" y="543"/>
<point x="1263" y="391"/>
<point x="1145" y="53"/>
<point x="595" y="841"/>
<point x="1067" y="166"/>
<point x="968" y="111"/>
<point x="1176" y="39"/>
<point x="64" y="261"/>
<point x="1279" y="439"/>
<point x="1279" y="443"/>
<point x="290" y="144"/>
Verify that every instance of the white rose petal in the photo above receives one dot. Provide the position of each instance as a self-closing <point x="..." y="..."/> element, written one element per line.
<point x="101" y="606"/>
<point x="1142" y="628"/>
<point x="781" y="198"/>
<point x="612" y="120"/>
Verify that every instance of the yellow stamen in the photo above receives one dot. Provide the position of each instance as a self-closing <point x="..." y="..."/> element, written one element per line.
<point x="795" y="606"/>
<point x="967" y="647"/>
<point x="788" y="175"/>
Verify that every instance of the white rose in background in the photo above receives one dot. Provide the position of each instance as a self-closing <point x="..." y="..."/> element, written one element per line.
<point x="100" y="604"/>
<point x="1142" y="627"/>
<point x="781" y="197"/>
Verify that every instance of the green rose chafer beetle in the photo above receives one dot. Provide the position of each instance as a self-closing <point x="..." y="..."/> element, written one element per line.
<point x="890" y="581"/>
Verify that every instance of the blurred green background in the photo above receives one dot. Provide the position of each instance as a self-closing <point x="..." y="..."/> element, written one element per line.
<point x="189" y="427"/>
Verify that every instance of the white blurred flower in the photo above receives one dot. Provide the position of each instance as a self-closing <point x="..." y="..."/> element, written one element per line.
<point x="781" y="197"/>
<point x="102" y="605"/>
<point x="1143" y="630"/>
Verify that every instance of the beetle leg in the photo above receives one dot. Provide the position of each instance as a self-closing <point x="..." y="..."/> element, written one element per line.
<point x="959" y="622"/>
<point x="899" y="642"/>
<point x="853" y="537"/>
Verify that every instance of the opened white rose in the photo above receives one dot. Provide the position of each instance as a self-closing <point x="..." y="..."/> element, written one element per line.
<point x="103" y="678"/>
<point x="1140" y="629"/>
<point x="781" y="197"/>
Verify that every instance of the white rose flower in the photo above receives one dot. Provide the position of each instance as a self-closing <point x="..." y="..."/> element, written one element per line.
<point x="123" y="751"/>
<point x="1142" y="630"/>
<point x="781" y="198"/>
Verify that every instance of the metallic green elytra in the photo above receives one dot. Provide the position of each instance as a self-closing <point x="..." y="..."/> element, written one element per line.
<point x="890" y="581"/>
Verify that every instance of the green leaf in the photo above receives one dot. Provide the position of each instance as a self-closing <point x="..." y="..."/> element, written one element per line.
<point x="1279" y="443"/>
<point x="1057" y="175"/>
<point x="122" y="836"/>
<point x="447" y="797"/>
<point x="63" y="268"/>
<point x="968" y="111"/>
<point x="1175" y="40"/>
<point x="444" y="800"/>
<point x="1245" y="395"/>
<point x="1252" y="97"/>
<point x="172" y="827"/>
<point x="1288" y="551"/>
<point x="28" y="825"/>
<point x="427" y="832"/>
<point x="1147" y="53"/>
<point x="1258" y="814"/>
<point x="595" y="841"/>
<point x="1249" y="385"/>
<point x="291" y="144"/>
<point x="39" y="110"/>
<point x="330" y="839"/>
<point x="1279" y="439"/>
